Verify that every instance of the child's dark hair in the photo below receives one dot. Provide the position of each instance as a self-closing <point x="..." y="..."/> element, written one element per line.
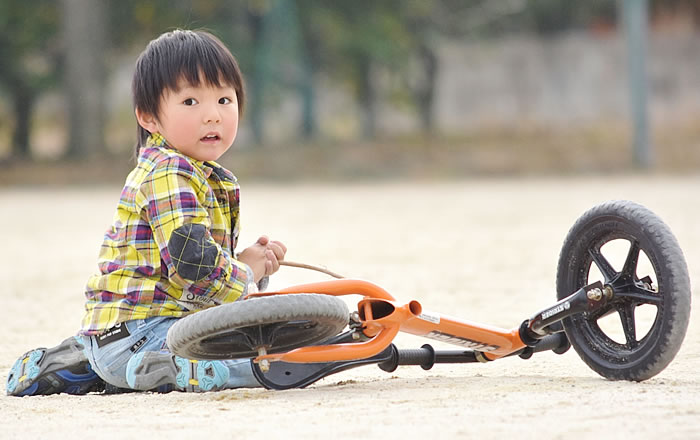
<point x="181" y="54"/>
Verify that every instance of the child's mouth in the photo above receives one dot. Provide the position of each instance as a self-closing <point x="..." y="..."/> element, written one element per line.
<point x="210" y="138"/>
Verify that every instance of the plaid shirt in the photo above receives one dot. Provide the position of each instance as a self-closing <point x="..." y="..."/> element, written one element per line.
<point x="138" y="276"/>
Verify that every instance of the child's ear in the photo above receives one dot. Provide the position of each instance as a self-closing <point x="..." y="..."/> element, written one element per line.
<point x="147" y="121"/>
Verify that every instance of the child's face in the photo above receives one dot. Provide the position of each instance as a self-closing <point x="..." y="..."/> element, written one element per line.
<point x="199" y="121"/>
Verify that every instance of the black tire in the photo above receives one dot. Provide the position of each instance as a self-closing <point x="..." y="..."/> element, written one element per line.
<point x="663" y="290"/>
<point x="279" y="322"/>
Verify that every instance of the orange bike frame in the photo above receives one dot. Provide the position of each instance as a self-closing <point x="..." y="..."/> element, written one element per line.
<point x="382" y="318"/>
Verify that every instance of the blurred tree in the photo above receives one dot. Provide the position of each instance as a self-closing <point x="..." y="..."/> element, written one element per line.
<point x="84" y="75"/>
<point x="483" y="18"/>
<point x="555" y="16"/>
<point x="257" y="16"/>
<point x="374" y="48"/>
<point x="421" y="25"/>
<point x="350" y="41"/>
<point x="428" y="24"/>
<point x="311" y="30"/>
<point x="30" y="56"/>
<point x="677" y="8"/>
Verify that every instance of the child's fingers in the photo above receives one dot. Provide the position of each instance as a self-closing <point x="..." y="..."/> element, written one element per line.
<point x="263" y="240"/>
<point x="272" y="260"/>
<point x="281" y="245"/>
<point x="278" y="249"/>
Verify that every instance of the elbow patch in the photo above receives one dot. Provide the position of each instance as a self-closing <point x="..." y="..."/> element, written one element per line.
<point x="193" y="253"/>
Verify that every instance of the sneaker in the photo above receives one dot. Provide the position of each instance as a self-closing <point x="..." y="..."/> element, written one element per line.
<point x="165" y="372"/>
<point x="61" y="369"/>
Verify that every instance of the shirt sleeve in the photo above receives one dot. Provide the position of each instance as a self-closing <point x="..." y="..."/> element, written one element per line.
<point x="173" y="199"/>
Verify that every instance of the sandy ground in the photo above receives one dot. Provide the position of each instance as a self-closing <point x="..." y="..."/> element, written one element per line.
<point x="482" y="250"/>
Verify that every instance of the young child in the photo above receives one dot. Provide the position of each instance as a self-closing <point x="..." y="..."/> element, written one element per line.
<point x="170" y="249"/>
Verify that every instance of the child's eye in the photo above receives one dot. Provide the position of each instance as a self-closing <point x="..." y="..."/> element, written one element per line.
<point x="189" y="101"/>
<point x="225" y="101"/>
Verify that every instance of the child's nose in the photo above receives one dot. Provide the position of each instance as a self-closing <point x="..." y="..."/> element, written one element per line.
<point x="212" y="115"/>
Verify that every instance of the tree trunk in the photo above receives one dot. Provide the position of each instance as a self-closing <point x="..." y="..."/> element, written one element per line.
<point x="23" y="102"/>
<point x="309" y="58"/>
<point x="84" y="32"/>
<point x="425" y="94"/>
<point x="308" y="111"/>
<point x="257" y="22"/>
<point x="366" y="98"/>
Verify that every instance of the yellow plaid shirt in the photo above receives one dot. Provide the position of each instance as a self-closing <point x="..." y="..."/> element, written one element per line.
<point x="165" y="194"/>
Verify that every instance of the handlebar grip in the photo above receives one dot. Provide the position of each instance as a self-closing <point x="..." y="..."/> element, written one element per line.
<point x="424" y="356"/>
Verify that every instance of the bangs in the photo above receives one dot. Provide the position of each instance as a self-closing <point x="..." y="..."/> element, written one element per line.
<point x="200" y="62"/>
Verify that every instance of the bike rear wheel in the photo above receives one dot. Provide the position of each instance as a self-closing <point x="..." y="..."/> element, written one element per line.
<point x="277" y="323"/>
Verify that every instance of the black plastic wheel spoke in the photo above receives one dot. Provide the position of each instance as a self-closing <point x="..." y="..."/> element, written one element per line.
<point x="629" y="269"/>
<point x="600" y="312"/>
<point x="603" y="265"/>
<point x="640" y="295"/>
<point x="236" y="337"/>
<point x="629" y="326"/>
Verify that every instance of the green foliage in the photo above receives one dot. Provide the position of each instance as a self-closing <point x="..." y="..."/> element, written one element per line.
<point x="284" y="45"/>
<point x="29" y="60"/>
<point x="28" y="46"/>
<point x="136" y="20"/>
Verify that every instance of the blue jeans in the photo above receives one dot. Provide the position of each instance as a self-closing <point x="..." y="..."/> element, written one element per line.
<point x="110" y="360"/>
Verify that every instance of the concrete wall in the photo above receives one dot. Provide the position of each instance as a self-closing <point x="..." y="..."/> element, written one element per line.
<point x="576" y="79"/>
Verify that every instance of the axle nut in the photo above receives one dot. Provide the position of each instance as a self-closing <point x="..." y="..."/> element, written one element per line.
<point x="595" y="294"/>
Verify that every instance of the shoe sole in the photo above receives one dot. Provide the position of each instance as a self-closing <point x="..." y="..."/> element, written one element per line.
<point x="61" y="369"/>
<point x="162" y="372"/>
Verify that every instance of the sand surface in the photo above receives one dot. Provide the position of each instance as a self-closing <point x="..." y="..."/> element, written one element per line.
<point x="482" y="250"/>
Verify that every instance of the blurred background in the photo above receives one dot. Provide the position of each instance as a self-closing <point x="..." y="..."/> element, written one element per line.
<point x="368" y="89"/>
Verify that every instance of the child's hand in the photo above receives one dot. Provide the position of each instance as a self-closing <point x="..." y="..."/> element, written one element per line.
<point x="263" y="257"/>
<point x="274" y="253"/>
